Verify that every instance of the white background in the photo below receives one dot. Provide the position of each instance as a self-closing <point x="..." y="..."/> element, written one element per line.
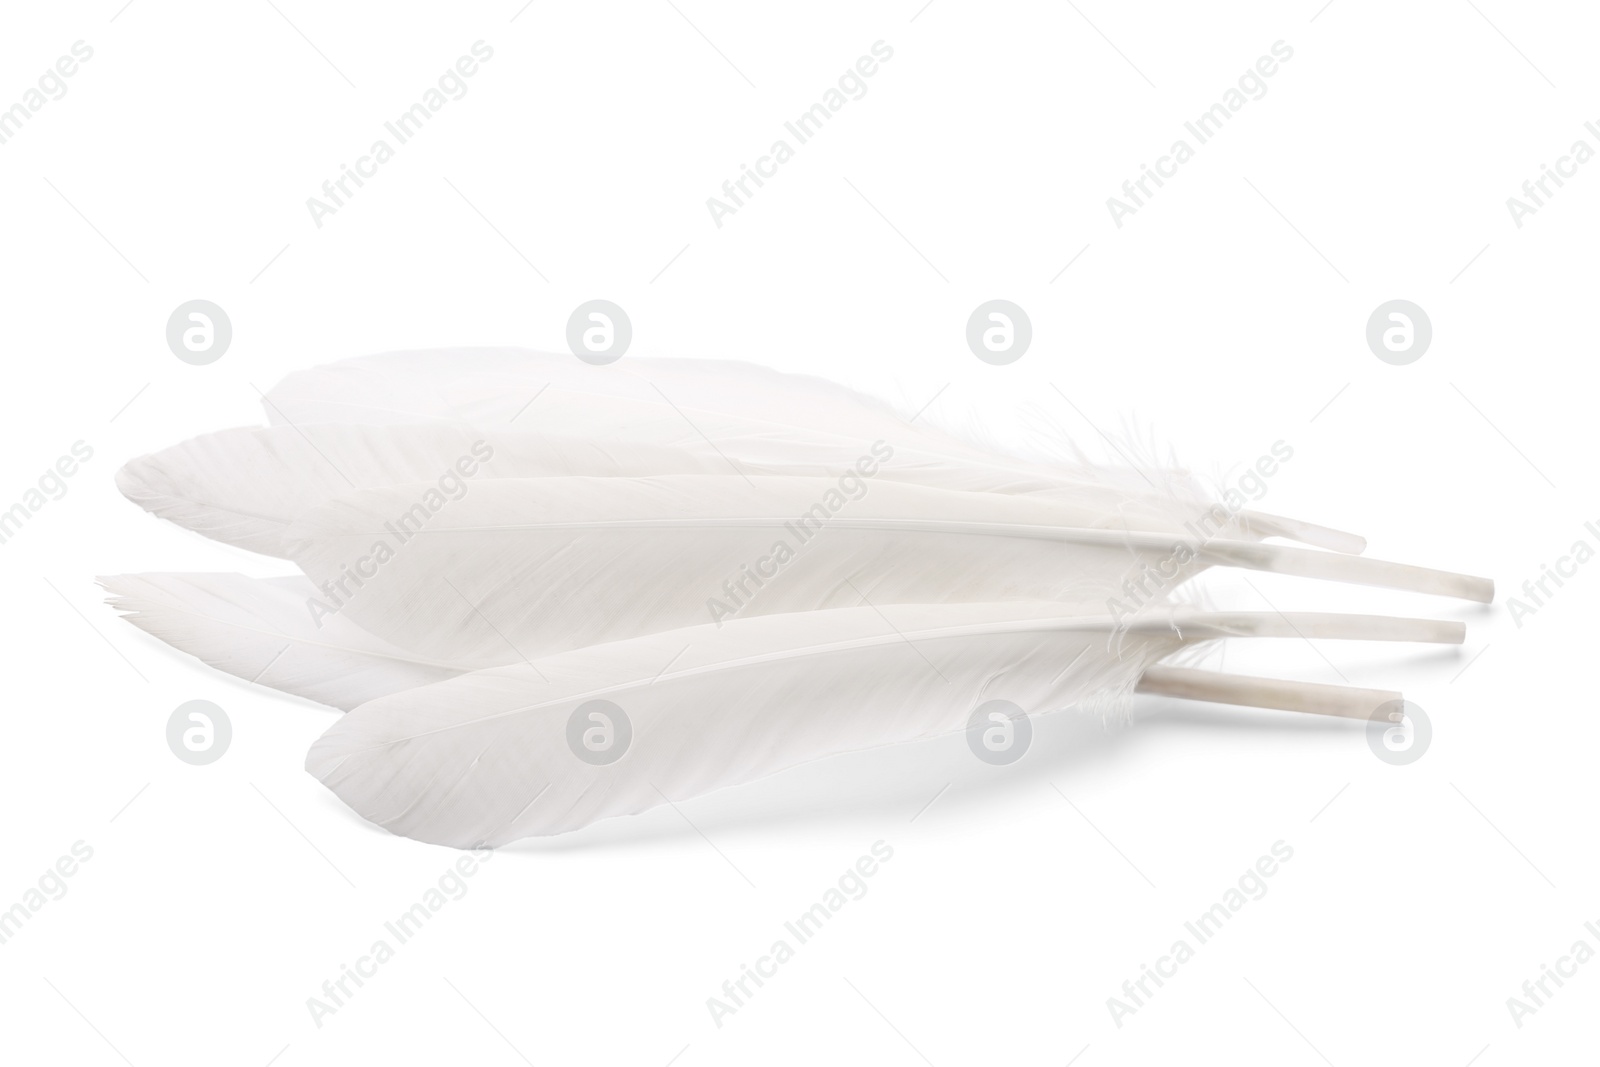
<point x="1227" y="314"/>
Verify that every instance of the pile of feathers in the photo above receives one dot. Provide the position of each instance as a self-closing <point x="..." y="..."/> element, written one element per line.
<point x="546" y="593"/>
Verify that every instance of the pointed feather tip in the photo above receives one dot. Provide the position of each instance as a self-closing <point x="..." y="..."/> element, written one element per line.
<point x="147" y="480"/>
<point x="323" y="758"/>
<point x="131" y="603"/>
<point x="327" y="755"/>
<point x="127" y="593"/>
<point x="142" y="482"/>
<point x="133" y="481"/>
<point x="119" y="590"/>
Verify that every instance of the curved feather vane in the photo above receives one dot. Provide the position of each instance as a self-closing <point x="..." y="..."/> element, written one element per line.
<point x="246" y="486"/>
<point x="261" y="631"/>
<point x="750" y="417"/>
<point x="519" y="568"/>
<point x="485" y="758"/>
<point x="493" y="386"/>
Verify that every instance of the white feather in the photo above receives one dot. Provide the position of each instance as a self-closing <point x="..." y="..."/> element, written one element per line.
<point x="484" y="758"/>
<point x="245" y="486"/>
<point x="553" y="533"/>
<point x="754" y="419"/>
<point x="518" y="568"/>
